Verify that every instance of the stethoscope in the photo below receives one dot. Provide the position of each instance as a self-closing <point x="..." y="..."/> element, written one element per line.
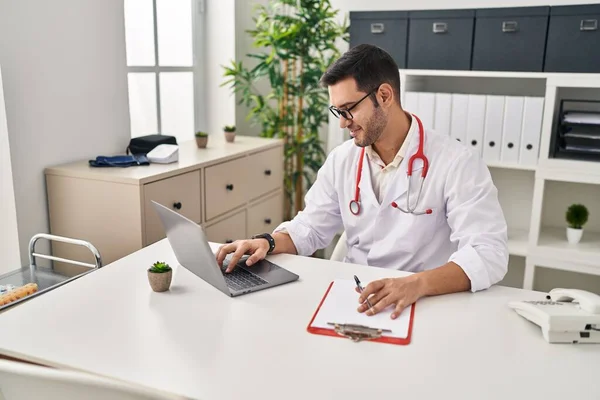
<point x="419" y="155"/>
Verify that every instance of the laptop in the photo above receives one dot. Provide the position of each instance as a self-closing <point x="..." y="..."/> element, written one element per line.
<point x="191" y="247"/>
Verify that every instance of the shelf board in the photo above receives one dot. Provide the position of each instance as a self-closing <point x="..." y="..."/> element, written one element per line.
<point x="469" y="73"/>
<point x="569" y="171"/>
<point x="518" y="242"/>
<point x="511" y="166"/>
<point x="553" y="244"/>
<point x="570" y="79"/>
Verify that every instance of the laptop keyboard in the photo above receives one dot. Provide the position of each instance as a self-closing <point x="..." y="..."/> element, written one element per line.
<point x="240" y="279"/>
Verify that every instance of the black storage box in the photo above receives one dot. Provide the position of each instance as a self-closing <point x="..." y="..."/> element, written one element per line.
<point x="144" y="144"/>
<point x="573" y="39"/>
<point x="440" y="39"/>
<point x="510" y="39"/>
<point x="385" y="29"/>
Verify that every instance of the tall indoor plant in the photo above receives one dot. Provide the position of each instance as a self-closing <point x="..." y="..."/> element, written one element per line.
<point x="296" y="42"/>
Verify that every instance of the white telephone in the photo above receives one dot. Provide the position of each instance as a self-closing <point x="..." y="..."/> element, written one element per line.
<point x="566" y="316"/>
<point x="164" y="154"/>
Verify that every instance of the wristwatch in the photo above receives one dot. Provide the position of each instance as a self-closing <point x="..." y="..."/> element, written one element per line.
<point x="269" y="239"/>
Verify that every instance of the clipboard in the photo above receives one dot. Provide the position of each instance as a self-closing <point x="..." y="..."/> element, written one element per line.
<point x="336" y="316"/>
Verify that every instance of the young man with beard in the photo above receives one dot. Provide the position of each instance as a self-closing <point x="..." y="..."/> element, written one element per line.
<point x="448" y="227"/>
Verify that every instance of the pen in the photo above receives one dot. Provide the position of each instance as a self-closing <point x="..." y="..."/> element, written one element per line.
<point x="360" y="289"/>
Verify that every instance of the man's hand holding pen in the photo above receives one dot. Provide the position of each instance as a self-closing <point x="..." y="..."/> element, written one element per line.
<point x="378" y="295"/>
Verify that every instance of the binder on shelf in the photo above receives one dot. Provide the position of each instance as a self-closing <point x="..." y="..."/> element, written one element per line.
<point x="443" y="112"/>
<point x="336" y="316"/>
<point x="494" y="115"/>
<point x="511" y="129"/>
<point x="533" y="110"/>
<point x="458" y="122"/>
<point x="426" y="109"/>
<point x="475" y="123"/>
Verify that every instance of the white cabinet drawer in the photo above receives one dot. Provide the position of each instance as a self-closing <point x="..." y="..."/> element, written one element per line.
<point x="264" y="216"/>
<point x="180" y="193"/>
<point x="266" y="172"/>
<point x="228" y="230"/>
<point x="225" y="187"/>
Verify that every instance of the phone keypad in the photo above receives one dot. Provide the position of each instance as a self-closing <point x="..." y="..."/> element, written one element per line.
<point x="544" y="303"/>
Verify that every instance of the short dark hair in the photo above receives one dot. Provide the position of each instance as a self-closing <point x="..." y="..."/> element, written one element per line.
<point x="369" y="65"/>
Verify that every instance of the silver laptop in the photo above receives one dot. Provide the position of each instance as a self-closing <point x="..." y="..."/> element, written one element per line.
<point x="193" y="252"/>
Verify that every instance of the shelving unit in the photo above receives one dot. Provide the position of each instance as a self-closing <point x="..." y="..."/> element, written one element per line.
<point x="535" y="197"/>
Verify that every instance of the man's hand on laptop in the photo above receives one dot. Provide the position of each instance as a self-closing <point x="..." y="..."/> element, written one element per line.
<point x="256" y="248"/>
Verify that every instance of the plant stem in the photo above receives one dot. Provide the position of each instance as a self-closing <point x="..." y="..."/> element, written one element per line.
<point x="299" y="155"/>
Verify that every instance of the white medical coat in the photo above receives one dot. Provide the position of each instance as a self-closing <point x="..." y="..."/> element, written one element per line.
<point x="467" y="225"/>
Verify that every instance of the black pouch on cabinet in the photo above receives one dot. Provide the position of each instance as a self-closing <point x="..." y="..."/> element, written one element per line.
<point x="145" y="144"/>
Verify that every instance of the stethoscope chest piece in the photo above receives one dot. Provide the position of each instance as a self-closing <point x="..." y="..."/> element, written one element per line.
<point x="354" y="207"/>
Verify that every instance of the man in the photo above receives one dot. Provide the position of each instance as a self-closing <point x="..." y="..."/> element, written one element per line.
<point x="455" y="238"/>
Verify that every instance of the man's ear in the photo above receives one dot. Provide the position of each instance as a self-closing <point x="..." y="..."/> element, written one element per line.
<point x="386" y="94"/>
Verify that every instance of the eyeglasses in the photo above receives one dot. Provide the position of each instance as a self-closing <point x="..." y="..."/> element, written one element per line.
<point x="346" y="112"/>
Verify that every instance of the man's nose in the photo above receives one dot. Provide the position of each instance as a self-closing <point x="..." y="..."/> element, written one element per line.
<point x="344" y="122"/>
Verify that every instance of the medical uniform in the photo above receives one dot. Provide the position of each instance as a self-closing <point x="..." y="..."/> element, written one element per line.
<point x="466" y="224"/>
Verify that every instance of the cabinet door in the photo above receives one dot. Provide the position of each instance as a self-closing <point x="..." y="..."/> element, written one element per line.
<point x="180" y="193"/>
<point x="385" y="29"/>
<point x="440" y="39"/>
<point x="510" y="39"/>
<point x="228" y="230"/>
<point x="265" y="215"/>
<point x="226" y="186"/>
<point x="265" y="172"/>
<point x="573" y="38"/>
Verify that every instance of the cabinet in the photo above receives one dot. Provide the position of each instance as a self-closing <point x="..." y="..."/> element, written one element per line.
<point x="510" y="39"/>
<point x="515" y="39"/>
<point x="383" y="29"/>
<point x="573" y="38"/>
<point x="535" y="189"/>
<point x="440" y="39"/>
<point x="233" y="190"/>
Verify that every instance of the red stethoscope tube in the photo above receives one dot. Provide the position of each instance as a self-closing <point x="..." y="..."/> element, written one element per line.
<point x="419" y="155"/>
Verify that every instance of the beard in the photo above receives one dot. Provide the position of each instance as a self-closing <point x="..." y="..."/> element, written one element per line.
<point x="372" y="129"/>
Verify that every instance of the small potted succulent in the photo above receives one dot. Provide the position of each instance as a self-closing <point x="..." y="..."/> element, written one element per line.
<point x="229" y="131"/>
<point x="577" y="216"/>
<point x="201" y="139"/>
<point x="159" y="276"/>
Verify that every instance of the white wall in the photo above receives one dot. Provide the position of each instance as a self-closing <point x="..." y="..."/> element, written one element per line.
<point x="220" y="50"/>
<point x="9" y="235"/>
<point x="65" y="86"/>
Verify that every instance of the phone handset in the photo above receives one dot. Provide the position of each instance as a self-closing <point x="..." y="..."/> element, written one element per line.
<point x="589" y="302"/>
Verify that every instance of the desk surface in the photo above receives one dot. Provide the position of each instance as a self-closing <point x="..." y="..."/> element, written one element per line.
<point x="199" y="343"/>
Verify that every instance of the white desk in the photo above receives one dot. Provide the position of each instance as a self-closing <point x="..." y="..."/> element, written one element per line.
<point x="197" y="342"/>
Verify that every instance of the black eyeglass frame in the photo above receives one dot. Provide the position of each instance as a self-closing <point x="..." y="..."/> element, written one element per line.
<point x="340" y="112"/>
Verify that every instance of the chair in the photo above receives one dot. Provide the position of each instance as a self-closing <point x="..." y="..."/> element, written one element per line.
<point x="21" y="381"/>
<point x="340" y="249"/>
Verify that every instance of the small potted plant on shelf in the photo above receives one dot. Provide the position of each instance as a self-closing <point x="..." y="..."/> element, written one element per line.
<point x="229" y="131"/>
<point x="201" y="139"/>
<point x="577" y="216"/>
<point x="159" y="276"/>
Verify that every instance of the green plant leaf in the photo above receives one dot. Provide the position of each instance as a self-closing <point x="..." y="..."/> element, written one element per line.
<point x="295" y="42"/>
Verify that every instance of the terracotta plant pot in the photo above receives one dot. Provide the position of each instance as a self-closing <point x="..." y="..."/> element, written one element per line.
<point x="229" y="137"/>
<point x="160" y="281"/>
<point x="201" y="141"/>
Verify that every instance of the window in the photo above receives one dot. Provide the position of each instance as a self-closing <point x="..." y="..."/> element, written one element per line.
<point x="162" y="41"/>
